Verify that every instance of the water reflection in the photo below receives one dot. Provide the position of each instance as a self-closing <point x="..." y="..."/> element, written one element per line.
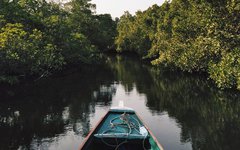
<point x="183" y="111"/>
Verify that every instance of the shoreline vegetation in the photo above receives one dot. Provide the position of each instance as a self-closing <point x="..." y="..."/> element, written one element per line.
<point x="190" y="35"/>
<point x="38" y="38"/>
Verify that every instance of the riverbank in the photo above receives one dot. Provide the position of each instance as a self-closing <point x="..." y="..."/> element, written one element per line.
<point x="189" y="36"/>
<point x="35" y="43"/>
<point x="57" y="112"/>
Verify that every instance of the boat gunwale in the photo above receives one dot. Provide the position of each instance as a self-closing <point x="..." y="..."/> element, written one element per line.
<point x="150" y="132"/>
<point x="101" y="120"/>
<point x="92" y="130"/>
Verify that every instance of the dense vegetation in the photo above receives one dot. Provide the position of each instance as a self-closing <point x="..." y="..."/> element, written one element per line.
<point x="191" y="35"/>
<point x="38" y="37"/>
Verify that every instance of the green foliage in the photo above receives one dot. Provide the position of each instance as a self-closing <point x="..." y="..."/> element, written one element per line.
<point x="2" y="21"/>
<point x="38" y="37"/>
<point x="99" y="29"/>
<point x="190" y="35"/>
<point x="105" y="32"/>
<point x="124" y="32"/>
<point x="78" y="49"/>
<point x="25" y="53"/>
<point x="227" y="72"/>
<point x="135" y="32"/>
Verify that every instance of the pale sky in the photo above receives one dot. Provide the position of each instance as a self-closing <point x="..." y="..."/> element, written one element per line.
<point x="117" y="7"/>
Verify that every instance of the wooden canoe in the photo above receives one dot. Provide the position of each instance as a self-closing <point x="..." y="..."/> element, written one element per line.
<point x="121" y="129"/>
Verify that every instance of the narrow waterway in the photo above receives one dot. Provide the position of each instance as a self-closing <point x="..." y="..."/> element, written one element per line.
<point x="185" y="112"/>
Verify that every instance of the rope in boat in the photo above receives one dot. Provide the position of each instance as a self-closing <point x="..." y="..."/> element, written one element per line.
<point x="126" y="123"/>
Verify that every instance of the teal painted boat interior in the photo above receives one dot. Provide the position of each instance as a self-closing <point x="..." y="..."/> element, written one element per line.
<point x="120" y="130"/>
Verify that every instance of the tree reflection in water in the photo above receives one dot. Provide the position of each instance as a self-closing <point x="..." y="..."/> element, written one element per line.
<point x="48" y="113"/>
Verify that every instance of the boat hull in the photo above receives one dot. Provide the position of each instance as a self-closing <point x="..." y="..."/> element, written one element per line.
<point x="123" y="129"/>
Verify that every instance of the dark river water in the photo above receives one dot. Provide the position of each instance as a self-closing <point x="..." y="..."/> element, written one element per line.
<point x="184" y="112"/>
